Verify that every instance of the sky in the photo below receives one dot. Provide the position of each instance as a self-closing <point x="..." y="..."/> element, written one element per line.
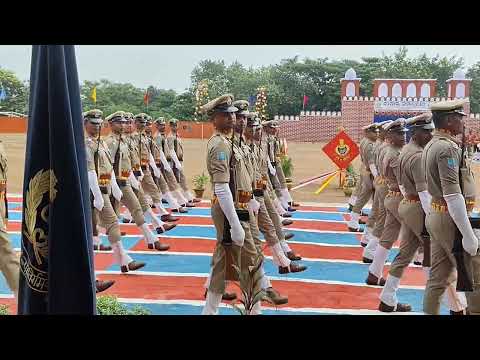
<point x="169" y="66"/>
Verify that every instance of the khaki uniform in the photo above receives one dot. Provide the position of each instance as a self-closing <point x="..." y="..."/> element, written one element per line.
<point x="380" y="192"/>
<point x="135" y="160"/>
<point x="108" y="218"/>
<point x="219" y="152"/>
<point x="162" y="143"/>
<point x="122" y="172"/>
<point x="366" y="191"/>
<point x="390" y="167"/>
<point x="372" y="217"/>
<point x="270" y="144"/>
<point x="9" y="262"/>
<point x="412" y="178"/>
<point x="148" y="184"/>
<point x="441" y="159"/>
<point x="160" y="181"/>
<point x="177" y="146"/>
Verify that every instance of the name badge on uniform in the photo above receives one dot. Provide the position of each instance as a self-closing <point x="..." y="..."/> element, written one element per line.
<point x="222" y="156"/>
<point x="451" y="163"/>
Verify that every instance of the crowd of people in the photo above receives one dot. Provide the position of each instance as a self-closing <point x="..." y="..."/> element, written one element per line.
<point x="423" y="195"/>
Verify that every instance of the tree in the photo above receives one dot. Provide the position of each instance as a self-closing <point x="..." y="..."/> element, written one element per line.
<point x="16" y="93"/>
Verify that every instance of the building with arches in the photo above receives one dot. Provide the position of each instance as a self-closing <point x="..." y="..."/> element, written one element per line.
<point x="390" y="99"/>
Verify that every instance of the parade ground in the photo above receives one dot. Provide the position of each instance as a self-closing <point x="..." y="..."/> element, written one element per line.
<point x="172" y="282"/>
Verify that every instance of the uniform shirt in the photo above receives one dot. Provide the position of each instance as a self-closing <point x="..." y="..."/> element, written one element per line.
<point x="115" y="143"/>
<point x="390" y="167"/>
<point x="441" y="160"/>
<point x="162" y="143"/>
<point x="412" y="176"/>
<point x="134" y="157"/>
<point x="3" y="163"/>
<point x="105" y="162"/>
<point x="381" y="151"/>
<point x="366" y="152"/>
<point x="142" y="144"/>
<point x="219" y="153"/>
<point x="270" y="145"/>
<point x="179" y="148"/>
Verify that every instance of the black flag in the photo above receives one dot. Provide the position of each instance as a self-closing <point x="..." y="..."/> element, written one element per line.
<point x="56" y="264"/>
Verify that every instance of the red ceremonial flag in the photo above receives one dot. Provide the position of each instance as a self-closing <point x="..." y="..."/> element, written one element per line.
<point x="305" y="100"/>
<point x="146" y="98"/>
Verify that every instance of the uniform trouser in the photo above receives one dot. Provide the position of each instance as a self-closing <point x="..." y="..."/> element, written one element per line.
<point x="161" y="183"/>
<point x="130" y="200"/>
<point x="243" y="256"/>
<point x="412" y="217"/>
<point x="265" y="223"/>
<point x="365" y="193"/>
<point x="108" y="219"/>
<point x="182" y="179"/>
<point x="171" y="181"/>
<point x="9" y="262"/>
<point x="392" y="222"/>
<point x="380" y="194"/>
<point x="149" y="187"/>
<point x="254" y="229"/>
<point x="443" y="270"/>
<point x="356" y="191"/>
<point x="141" y="198"/>
<point x="272" y="212"/>
<point x="372" y="217"/>
<point x="280" y="174"/>
<point x="95" y="222"/>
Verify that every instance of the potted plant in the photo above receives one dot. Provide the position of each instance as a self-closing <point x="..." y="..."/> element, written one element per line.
<point x="199" y="182"/>
<point x="249" y="281"/>
<point x="351" y="179"/>
<point x="287" y="167"/>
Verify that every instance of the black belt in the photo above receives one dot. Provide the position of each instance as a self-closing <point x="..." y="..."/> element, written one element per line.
<point x="258" y="192"/>
<point x="274" y="163"/>
<point x="122" y="182"/>
<point x="137" y="173"/>
<point x="104" y="190"/>
<point x="474" y="222"/>
<point x="243" y="215"/>
<point x="144" y="167"/>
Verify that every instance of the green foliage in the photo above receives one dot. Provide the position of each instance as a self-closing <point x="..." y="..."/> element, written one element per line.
<point x="109" y="305"/>
<point x="4" y="310"/>
<point x="17" y="93"/>
<point x="285" y="83"/>
<point x="250" y="285"/>
<point x="287" y="166"/>
<point x="199" y="181"/>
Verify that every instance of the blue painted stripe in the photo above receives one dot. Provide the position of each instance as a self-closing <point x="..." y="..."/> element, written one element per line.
<point x="317" y="270"/>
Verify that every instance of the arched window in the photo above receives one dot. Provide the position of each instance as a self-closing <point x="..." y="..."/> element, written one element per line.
<point x="460" y="91"/>
<point x="383" y="90"/>
<point x="425" y="91"/>
<point x="350" y="89"/>
<point x="397" y="90"/>
<point x="411" y="90"/>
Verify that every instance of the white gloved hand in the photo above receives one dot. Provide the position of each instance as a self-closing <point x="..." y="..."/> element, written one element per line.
<point x="116" y="192"/>
<point x="95" y="189"/>
<point x="425" y="200"/>
<point x="272" y="170"/>
<point x="225" y="200"/>
<point x="458" y="212"/>
<point x="140" y="178"/>
<point x="133" y="181"/>
<point x="238" y="235"/>
<point x="156" y="170"/>
<point x="254" y="205"/>
<point x="373" y="170"/>
<point x="402" y="190"/>
<point x="175" y="160"/>
<point x="471" y="244"/>
<point x="98" y="203"/>
<point x="165" y="163"/>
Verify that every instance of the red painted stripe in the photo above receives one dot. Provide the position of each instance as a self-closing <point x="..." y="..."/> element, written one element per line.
<point x="11" y="304"/>
<point x="300" y="294"/>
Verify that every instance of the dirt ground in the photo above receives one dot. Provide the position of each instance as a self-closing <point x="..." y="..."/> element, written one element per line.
<point x="308" y="161"/>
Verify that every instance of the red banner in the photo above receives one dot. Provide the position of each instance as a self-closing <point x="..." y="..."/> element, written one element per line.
<point x="342" y="150"/>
